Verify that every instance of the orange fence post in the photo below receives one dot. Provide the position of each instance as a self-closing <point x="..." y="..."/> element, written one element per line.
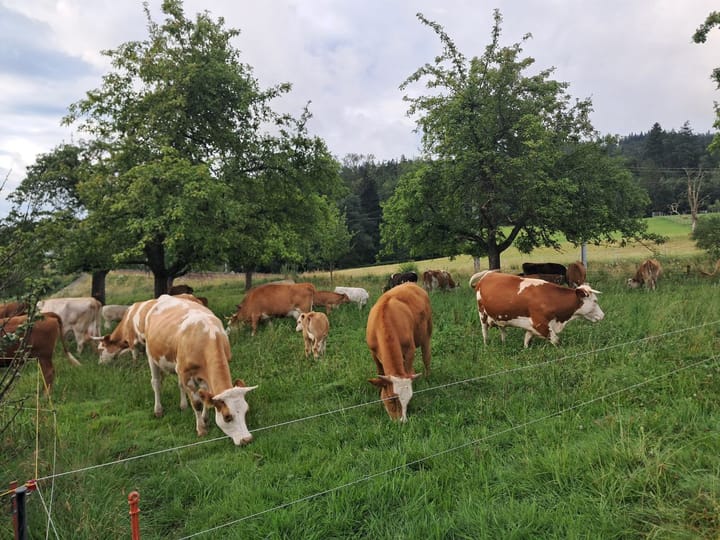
<point x="13" y="487"/>
<point x="133" y="499"/>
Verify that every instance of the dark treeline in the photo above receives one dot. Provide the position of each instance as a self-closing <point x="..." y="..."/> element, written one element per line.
<point x="661" y="161"/>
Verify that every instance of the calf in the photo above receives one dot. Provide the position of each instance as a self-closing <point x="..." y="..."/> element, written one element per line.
<point x="329" y="299"/>
<point x="576" y="274"/>
<point x="81" y="316"/>
<point x="273" y="300"/>
<point x="647" y="274"/>
<point x="540" y="308"/>
<point x="186" y="338"/>
<point x="314" y="326"/>
<point x="356" y="294"/>
<point x="399" y="322"/>
<point x="39" y="343"/>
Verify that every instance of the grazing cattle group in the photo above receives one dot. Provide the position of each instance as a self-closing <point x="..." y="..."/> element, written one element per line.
<point x="180" y="335"/>
<point x="647" y="274"/>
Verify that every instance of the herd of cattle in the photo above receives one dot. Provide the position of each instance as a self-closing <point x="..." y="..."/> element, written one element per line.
<point x="180" y="334"/>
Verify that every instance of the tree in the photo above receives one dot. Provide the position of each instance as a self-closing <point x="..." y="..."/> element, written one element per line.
<point x="700" y="36"/>
<point x="510" y="160"/>
<point x="707" y="235"/>
<point x="195" y="160"/>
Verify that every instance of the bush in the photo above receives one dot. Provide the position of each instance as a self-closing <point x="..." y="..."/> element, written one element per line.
<point x="707" y="235"/>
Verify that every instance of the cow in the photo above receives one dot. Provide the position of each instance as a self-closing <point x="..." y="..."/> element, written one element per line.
<point x="273" y="300"/>
<point x="112" y="313"/>
<point x="398" y="278"/>
<point x="356" y="294"/>
<point x="646" y="274"/>
<point x="329" y="299"/>
<point x="399" y="322"/>
<point x="186" y="338"/>
<point x="39" y="343"/>
<point x="438" y="279"/>
<point x="576" y="274"/>
<point x="128" y="335"/>
<point x="315" y="327"/>
<point x="556" y="269"/>
<point x="540" y="308"/>
<point x="81" y="316"/>
<point x="11" y="309"/>
<point x="180" y="289"/>
<point x="550" y="278"/>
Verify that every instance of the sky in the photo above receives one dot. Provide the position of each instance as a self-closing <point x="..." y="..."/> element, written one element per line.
<point x="635" y="60"/>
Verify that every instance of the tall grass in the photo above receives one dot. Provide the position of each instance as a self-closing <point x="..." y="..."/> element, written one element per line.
<point x="612" y="434"/>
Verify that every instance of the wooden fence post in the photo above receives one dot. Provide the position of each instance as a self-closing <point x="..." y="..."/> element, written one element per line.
<point x="133" y="499"/>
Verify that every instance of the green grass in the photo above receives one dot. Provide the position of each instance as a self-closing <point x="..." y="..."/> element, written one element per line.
<point x="612" y="434"/>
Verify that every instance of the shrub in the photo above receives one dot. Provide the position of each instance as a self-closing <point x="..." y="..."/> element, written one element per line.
<point x="707" y="235"/>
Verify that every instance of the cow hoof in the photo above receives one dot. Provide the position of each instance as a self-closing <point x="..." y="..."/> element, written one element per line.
<point x="158" y="414"/>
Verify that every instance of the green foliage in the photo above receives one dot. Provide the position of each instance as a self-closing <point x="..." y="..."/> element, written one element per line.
<point x="508" y="150"/>
<point x="707" y="235"/>
<point x="612" y="434"/>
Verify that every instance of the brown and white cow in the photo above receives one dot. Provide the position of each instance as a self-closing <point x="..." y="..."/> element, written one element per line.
<point x="128" y="335"/>
<point x="112" y="313"/>
<point x="315" y="327"/>
<point x="273" y="300"/>
<point x="329" y="300"/>
<point x="185" y="337"/>
<point x="39" y="343"/>
<point x="576" y="274"/>
<point x="438" y="279"/>
<point x="81" y="316"/>
<point x="400" y="277"/>
<point x="399" y="322"/>
<point x="540" y="308"/>
<point x="646" y="274"/>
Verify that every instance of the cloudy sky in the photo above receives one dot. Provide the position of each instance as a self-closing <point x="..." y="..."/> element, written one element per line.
<point x="635" y="60"/>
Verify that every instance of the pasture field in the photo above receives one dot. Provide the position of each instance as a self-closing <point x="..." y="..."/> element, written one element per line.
<point x="612" y="434"/>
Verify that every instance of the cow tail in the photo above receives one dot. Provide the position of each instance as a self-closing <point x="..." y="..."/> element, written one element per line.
<point x="74" y="361"/>
<point x="477" y="277"/>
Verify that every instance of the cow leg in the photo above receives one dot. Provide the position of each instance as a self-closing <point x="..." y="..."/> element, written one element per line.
<point x="484" y="326"/>
<point x="528" y="337"/>
<point x="308" y="344"/>
<point x="201" y="415"/>
<point x="48" y="373"/>
<point x="79" y="340"/>
<point x="156" y="377"/>
<point x="502" y="333"/>
<point x="254" y="323"/>
<point x="183" y="396"/>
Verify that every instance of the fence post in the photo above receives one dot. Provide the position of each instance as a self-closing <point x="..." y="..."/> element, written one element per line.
<point x="133" y="499"/>
<point x="19" y="519"/>
<point x="13" y="487"/>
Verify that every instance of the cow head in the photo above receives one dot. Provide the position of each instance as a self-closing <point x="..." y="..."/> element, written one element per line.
<point x="589" y="308"/>
<point x="110" y="349"/>
<point x="395" y="393"/>
<point x="230" y="410"/>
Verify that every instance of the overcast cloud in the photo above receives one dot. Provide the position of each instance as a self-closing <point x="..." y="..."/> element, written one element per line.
<point x="634" y="59"/>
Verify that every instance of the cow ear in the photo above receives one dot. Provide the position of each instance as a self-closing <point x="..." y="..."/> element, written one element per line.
<point x="207" y="397"/>
<point x="125" y="344"/>
<point x="415" y="376"/>
<point x="239" y="382"/>
<point x="581" y="292"/>
<point x="379" y="382"/>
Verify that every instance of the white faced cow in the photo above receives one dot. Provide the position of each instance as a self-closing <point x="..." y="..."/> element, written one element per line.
<point x="185" y="337"/>
<point x="399" y="322"/>
<point x="128" y="335"/>
<point x="540" y="308"/>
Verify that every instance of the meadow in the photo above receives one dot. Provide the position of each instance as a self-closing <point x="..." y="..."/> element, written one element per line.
<point x="611" y="434"/>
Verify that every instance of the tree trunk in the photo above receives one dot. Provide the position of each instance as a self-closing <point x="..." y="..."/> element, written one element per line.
<point x="155" y="254"/>
<point x="97" y="289"/>
<point x="493" y="256"/>
<point x="476" y="264"/>
<point x="248" y="280"/>
<point x="160" y="281"/>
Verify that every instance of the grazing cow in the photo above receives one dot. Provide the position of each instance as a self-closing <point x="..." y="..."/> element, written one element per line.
<point x="540" y="308"/>
<point x="647" y="274"/>
<point x="314" y="326"/>
<point x="400" y="277"/>
<point x="329" y="299"/>
<point x="399" y="322"/>
<point x="356" y="294"/>
<point x="81" y="316"/>
<point x="128" y="335"/>
<point x="576" y="274"/>
<point x="112" y="313"/>
<point x="40" y="343"/>
<point x="186" y="338"/>
<point x="11" y="309"/>
<point x="273" y="300"/>
<point x="180" y="289"/>
<point x="438" y="279"/>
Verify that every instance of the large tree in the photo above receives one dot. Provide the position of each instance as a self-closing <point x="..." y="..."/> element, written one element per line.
<point x="195" y="160"/>
<point x="511" y="159"/>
